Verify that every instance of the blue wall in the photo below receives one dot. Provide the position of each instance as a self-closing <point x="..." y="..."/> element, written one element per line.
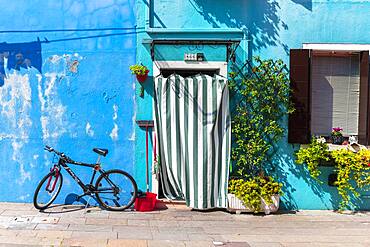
<point x="269" y="29"/>
<point x="71" y="90"/>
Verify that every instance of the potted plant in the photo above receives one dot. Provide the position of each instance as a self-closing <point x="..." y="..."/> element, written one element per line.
<point x="337" y="136"/>
<point x="141" y="72"/>
<point x="257" y="194"/>
<point x="263" y="96"/>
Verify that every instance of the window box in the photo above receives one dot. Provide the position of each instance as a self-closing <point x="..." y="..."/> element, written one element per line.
<point x="236" y="205"/>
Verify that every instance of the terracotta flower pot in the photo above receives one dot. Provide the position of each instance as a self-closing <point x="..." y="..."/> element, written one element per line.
<point x="142" y="78"/>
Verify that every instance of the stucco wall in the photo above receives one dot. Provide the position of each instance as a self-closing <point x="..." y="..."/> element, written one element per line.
<point x="77" y="95"/>
<point x="270" y="28"/>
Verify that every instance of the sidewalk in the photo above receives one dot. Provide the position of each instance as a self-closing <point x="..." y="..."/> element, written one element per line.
<point x="21" y="224"/>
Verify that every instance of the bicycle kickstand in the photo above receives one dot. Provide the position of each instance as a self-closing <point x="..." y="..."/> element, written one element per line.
<point x="87" y="204"/>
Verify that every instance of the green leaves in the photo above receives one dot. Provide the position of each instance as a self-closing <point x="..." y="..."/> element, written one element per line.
<point x="257" y="123"/>
<point x="251" y="191"/>
<point x="139" y="69"/>
<point x="316" y="152"/>
<point x="353" y="170"/>
<point x="256" y="127"/>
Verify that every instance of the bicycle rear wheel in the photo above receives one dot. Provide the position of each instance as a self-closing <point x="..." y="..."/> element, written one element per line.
<point x="116" y="190"/>
<point x="47" y="190"/>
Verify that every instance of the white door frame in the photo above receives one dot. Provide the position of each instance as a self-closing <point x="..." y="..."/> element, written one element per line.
<point x="195" y="65"/>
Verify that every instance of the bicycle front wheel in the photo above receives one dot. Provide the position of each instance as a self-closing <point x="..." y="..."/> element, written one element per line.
<point x="116" y="190"/>
<point x="47" y="190"/>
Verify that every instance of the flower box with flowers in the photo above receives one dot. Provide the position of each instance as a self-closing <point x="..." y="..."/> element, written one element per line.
<point x="337" y="136"/>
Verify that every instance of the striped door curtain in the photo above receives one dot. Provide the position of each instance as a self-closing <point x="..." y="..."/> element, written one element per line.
<point x="193" y="122"/>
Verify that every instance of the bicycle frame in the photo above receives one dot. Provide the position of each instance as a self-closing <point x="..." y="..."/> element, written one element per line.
<point x="87" y="188"/>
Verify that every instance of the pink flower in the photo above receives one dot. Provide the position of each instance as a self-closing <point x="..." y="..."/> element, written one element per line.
<point x="337" y="129"/>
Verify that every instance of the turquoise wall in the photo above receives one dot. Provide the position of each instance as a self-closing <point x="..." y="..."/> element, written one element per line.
<point x="267" y="28"/>
<point x="72" y="89"/>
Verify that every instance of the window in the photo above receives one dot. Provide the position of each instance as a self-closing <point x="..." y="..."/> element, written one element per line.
<point x="330" y="89"/>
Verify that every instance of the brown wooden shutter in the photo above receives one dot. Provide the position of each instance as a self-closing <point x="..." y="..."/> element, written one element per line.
<point x="364" y="116"/>
<point x="299" y="122"/>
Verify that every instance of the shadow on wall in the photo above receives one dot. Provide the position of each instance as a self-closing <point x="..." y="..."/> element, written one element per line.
<point x="305" y="3"/>
<point x="259" y="17"/>
<point x="328" y="196"/>
<point x="19" y="55"/>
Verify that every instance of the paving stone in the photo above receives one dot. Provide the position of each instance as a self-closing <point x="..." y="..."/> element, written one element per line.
<point x="165" y="243"/>
<point x="234" y="244"/>
<point x="54" y="234"/>
<point x="84" y="242"/>
<point x="127" y="243"/>
<point x="143" y="234"/>
<point x="166" y="228"/>
<point x="69" y="220"/>
<point x="21" y="226"/>
<point x="90" y="228"/>
<point x="132" y="222"/>
<point x="103" y="221"/>
<point x="170" y="235"/>
<point x="52" y="227"/>
<point x="94" y="235"/>
<point x="163" y="223"/>
<point x="134" y="228"/>
<point x="198" y="243"/>
<point x="24" y="213"/>
<point x="6" y="218"/>
<point x="9" y="233"/>
<point x="266" y="244"/>
<point x="45" y="220"/>
<point x="206" y="237"/>
<point x="136" y="215"/>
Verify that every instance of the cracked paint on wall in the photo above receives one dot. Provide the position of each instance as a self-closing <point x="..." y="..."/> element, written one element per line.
<point x="16" y="106"/>
<point x="89" y="131"/>
<point x="15" y="103"/>
<point x="114" y="133"/>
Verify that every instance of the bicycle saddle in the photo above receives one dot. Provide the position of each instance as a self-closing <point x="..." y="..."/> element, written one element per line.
<point x="101" y="151"/>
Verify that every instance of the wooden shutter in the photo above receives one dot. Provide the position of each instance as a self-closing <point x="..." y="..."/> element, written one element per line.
<point x="299" y="122"/>
<point x="364" y="117"/>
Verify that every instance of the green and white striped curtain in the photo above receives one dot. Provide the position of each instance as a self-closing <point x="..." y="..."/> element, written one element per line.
<point x="193" y="125"/>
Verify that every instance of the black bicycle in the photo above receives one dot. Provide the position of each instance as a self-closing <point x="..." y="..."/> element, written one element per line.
<point x="114" y="189"/>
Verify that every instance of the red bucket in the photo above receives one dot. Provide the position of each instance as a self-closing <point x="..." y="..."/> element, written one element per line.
<point x="146" y="203"/>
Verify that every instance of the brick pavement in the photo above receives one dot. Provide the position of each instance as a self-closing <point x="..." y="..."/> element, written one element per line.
<point x="22" y="225"/>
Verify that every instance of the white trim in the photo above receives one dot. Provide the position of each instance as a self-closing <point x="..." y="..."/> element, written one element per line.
<point x="337" y="47"/>
<point x="221" y="66"/>
<point x="158" y="65"/>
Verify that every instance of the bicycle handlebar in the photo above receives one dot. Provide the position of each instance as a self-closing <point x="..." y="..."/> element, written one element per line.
<point x="62" y="155"/>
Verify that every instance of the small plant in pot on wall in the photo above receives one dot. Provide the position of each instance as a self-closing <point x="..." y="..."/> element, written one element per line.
<point x="337" y="136"/>
<point x="141" y="72"/>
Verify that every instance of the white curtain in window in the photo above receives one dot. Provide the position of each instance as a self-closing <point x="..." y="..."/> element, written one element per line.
<point x="335" y="94"/>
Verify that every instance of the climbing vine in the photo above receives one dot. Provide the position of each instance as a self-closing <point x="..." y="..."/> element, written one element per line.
<point x="257" y="121"/>
<point x="257" y="124"/>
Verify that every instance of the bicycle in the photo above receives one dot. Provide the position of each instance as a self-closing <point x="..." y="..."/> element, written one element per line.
<point x="109" y="183"/>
